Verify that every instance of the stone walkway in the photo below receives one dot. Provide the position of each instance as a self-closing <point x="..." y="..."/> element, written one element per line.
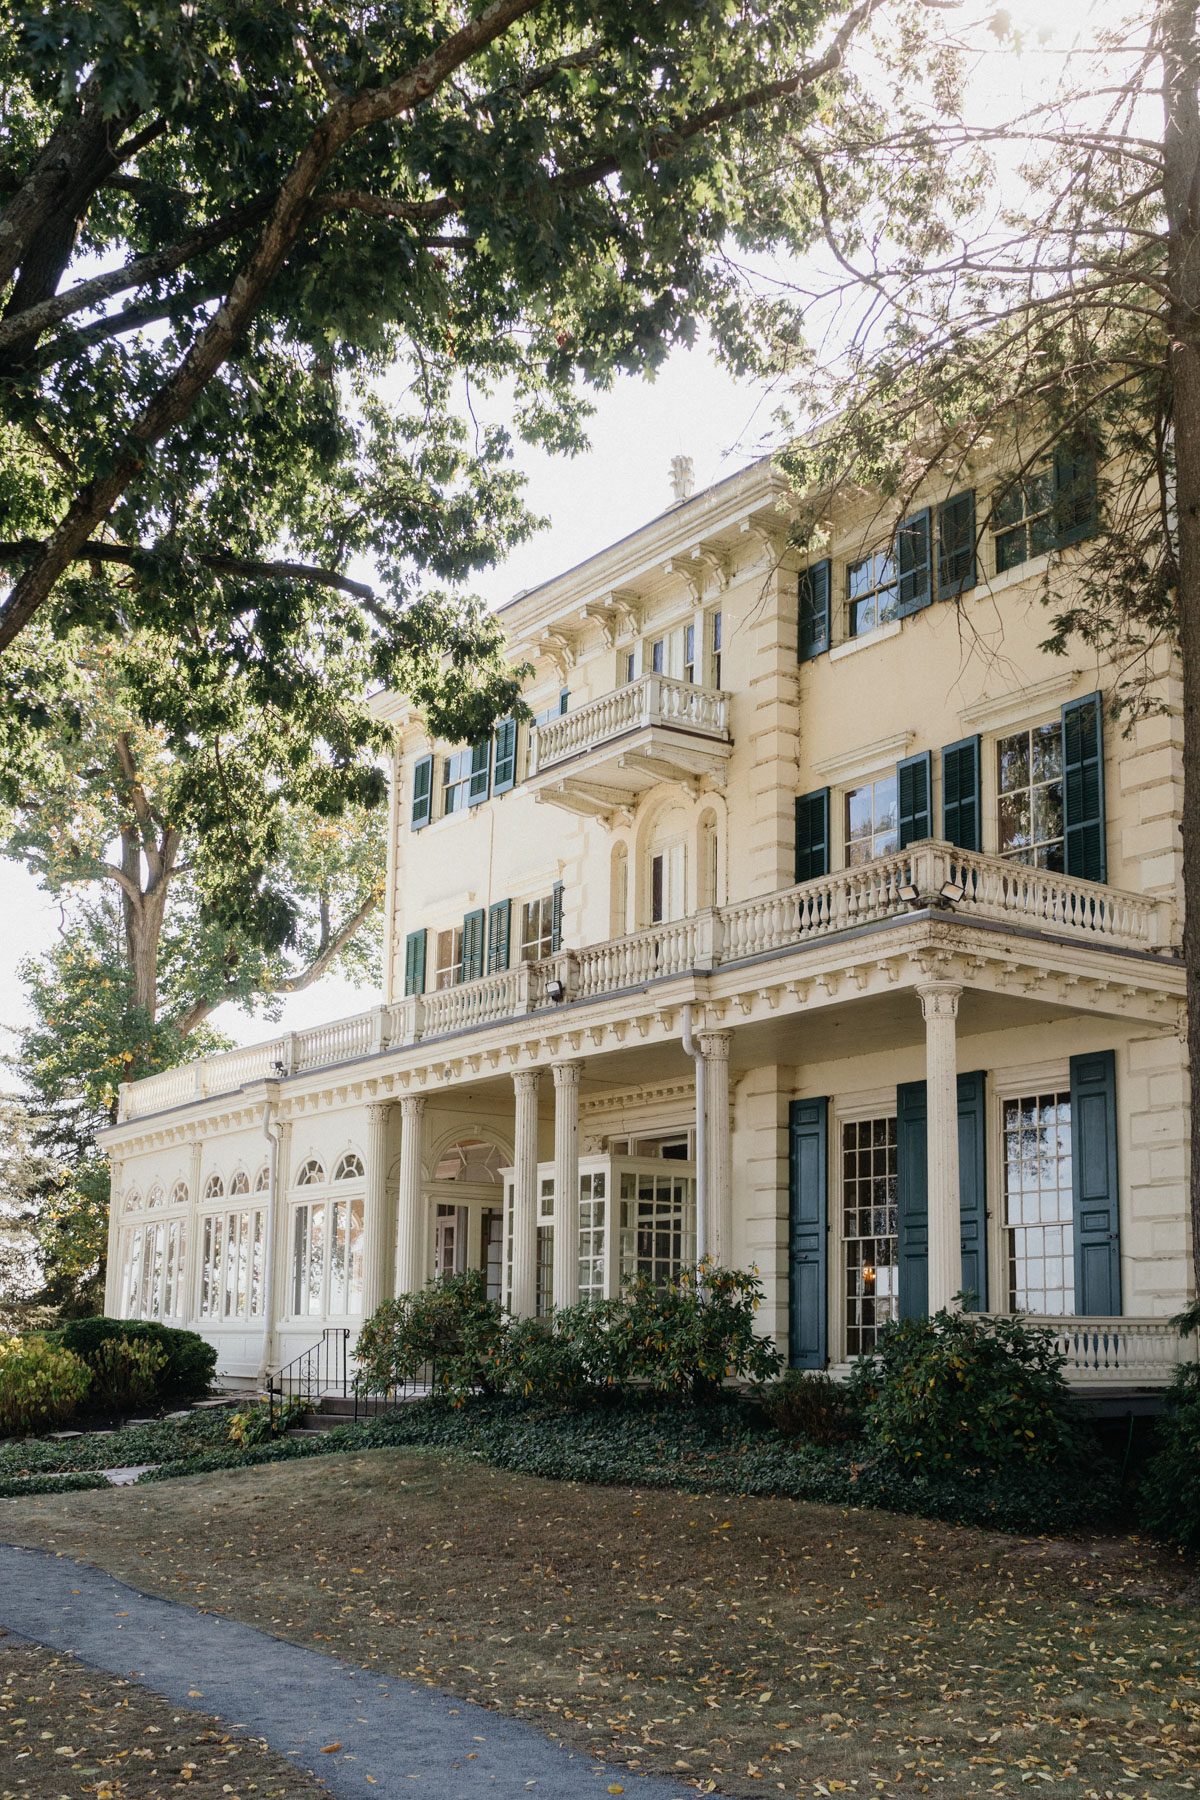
<point x="387" y="1735"/>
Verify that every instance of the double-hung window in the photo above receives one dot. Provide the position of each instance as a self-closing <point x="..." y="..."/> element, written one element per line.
<point x="689" y="653"/>
<point x="456" y="781"/>
<point x="718" y="633"/>
<point x="448" y="969"/>
<point x="872" y="586"/>
<point x="869" y="1229"/>
<point x="872" y="820"/>
<point x="537" y="929"/>
<point x="1029" y="779"/>
<point x="1046" y="509"/>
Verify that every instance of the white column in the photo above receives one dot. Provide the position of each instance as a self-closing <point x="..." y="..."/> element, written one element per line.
<point x="715" y="1045"/>
<point x="566" y="1183"/>
<point x="410" y="1220"/>
<point x="112" y="1265"/>
<point x="524" y="1215"/>
<point x="939" y="1003"/>
<point x="193" y="1253"/>
<point x="378" y="1261"/>
<point x="277" y="1288"/>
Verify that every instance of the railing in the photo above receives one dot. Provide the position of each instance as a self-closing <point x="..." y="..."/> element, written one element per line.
<point x="324" y="1368"/>
<point x="654" y="700"/>
<point x="927" y="875"/>
<point x="1120" y="1352"/>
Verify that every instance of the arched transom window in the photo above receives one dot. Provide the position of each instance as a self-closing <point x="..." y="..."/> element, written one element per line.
<point x="156" y="1197"/>
<point x="311" y="1174"/>
<point x="261" y="1179"/>
<point x="179" y="1193"/>
<point x="350" y="1168"/>
<point x="240" y="1183"/>
<point x="471" y="1159"/>
<point x="214" y="1188"/>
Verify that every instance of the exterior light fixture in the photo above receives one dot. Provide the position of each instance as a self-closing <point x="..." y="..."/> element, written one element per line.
<point x="278" y="1070"/>
<point x="909" y="893"/>
<point x="556" y="991"/>
<point x="952" y="891"/>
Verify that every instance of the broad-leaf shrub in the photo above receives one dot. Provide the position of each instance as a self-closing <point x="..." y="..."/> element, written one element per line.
<point x="258" y="1423"/>
<point x="691" y="1334"/>
<point x="190" y="1360"/>
<point x="449" y="1335"/>
<point x="963" y="1392"/>
<point x="126" y="1373"/>
<point x="808" y="1403"/>
<point x="1169" y="1501"/>
<point x="41" y="1384"/>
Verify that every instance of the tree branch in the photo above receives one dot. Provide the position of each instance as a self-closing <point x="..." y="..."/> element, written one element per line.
<point x="294" y="984"/>
<point x="129" y="555"/>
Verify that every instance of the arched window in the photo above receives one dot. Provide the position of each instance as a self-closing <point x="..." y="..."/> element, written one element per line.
<point x="156" y="1197"/>
<point x="350" y="1168"/>
<point x="133" y="1200"/>
<point x="214" y="1187"/>
<point x="179" y="1194"/>
<point x="619" y="892"/>
<point x="471" y="1159"/>
<point x="240" y="1183"/>
<point x="261" y="1179"/>
<point x="707" y="841"/>
<point x="311" y="1174"/>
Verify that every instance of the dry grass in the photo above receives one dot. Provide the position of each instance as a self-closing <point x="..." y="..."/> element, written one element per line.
<point x="741" y="1644"/>
<point x="67" y="1732"/>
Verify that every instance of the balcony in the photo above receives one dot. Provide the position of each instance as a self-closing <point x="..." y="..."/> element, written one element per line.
<point x="930" y="875"/>
<point x="599" y="760"/>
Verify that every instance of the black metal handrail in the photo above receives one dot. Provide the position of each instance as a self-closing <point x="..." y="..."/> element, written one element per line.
<point x="324" y="1368"/>
<point x="369" y="1402"/>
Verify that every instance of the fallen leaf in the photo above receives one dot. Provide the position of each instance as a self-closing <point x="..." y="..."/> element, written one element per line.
<point x="326" y="1748"/>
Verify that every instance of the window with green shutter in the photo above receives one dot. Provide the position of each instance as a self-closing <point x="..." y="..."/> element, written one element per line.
<point x="960" y="794"/>
<point x="913" y="564"/>
<point x="422" y="797"/>
<point x="807" y="1234"/>
<point x="814" y="611"/>
<point x="1074" y="494"/>
<point x="956" y="544"/>
<point x="472" y="945"/>
<point x="556" y="913"/>
<point x="812" y="835"/>
<point x="915" y="782"/>
<point x="414" y="963"/>
<point x="504" y="760"/>
<point x="498" y="934"/>
<point x="1046" y="508"/>
<point x="1085" y="850"/>
<point x="1094" y="1186"/>
<point x="481" y="772"/>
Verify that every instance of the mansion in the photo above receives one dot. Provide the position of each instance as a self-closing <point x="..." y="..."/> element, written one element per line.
<point x="820" y="922"/>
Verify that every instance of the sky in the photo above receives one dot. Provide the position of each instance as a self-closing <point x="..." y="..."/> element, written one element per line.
<point x="693" y="408"/>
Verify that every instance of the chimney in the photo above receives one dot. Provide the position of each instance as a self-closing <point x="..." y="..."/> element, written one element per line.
<point x="683" y="479"/>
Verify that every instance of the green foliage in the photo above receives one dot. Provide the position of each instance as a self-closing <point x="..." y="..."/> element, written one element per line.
<point x="448" y="1334"/>
<point x="808" y="1403"/>
<point x="41" y="1384"/>
<point x="690" y="1334"/>
<point x="189" y="1361"/>
<point x="22" y="1485"/>
<point x="1169" y="1500"/>
<point x="196" y="1433"/>
<point x="126" y="1373"/>
<point x="260" y="1423"/>
<point x="960" y="1391"/>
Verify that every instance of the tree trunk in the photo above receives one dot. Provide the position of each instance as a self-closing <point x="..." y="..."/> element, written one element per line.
<point x="1181" y="186"/>
<point x="143" y="920"/>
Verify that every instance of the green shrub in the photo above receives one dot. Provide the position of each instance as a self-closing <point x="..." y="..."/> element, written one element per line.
<point x="961" y="1391"/>
<point x="1169" y="1499"/>
<point x="126" y="1373"/>
<point x="577" y="1354"/>
<point x="450" y="1333"/>
<point x="41" y="1384"/>
<point x="691" y="1334"/>
<point x="258" y="1423"/>
<point x="807" y="1403"/>
<point x="190" y="1361"/>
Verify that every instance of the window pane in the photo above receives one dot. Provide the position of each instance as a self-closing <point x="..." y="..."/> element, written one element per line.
<point x="869" y="1229"/>
<point x="1038" y="1204"/>
<point x="1047" y="752"/>
<point x="1013" y="758"/>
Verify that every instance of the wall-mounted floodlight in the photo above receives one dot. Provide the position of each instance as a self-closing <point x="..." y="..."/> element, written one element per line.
<point x="555" y="991"/>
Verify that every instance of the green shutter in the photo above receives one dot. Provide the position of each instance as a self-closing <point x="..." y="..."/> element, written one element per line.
<point x="481" y="758"/>
<point x="912" y="1200"/>
<point x="915" y="587"/>
<point x="1083" y="789"/>
<point x="812" y="835"/>
<point x="1074" y="494"/>
<point x="1094" y="1187"/>
<point x="912" y="1192"/>
<point x="422" y="800"/>
<point x="914" y="779"/>
<point x="498" y="932"/>
<point x="504" y="765"/>
<point x="956" y="544"/>
<point x="556" y="916"/>
<point x="564" y="700"/>
<point x="807" y="1234"/>
<point x="960" y="794"/>
<point x="972" y="1186"/>
<point x="472" y="946"/>
<point x="414" y="963"/>
<point x="814" y="611"/>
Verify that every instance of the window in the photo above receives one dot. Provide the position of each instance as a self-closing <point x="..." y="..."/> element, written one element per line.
<point x="327" y="1258"/>
<point x="240" y="1183"/>
<point x="717" y="636"/>
<point x="472" y="1159"/>
<point x="956" y="544"/>
<point x="591" y="1237"/>
<point x="262" y="1179"/>
<point x="668" y="877"/>
<point x="537" y="929"/>
<point x="813" y="622"/>
<point x="872" y="591"/>
<point x="214" y="1187"/>
<point x="156" y="1197"/>
<point x="657" y="1224"/>
<point x="689" y="653"/>
<point x="1046" y="509"/>
<point x="1038" y="1213"/>
<point x="872" y="821"/>
<point x="869" y="1229"/>
<point x="499" y="924"/>
<point x="422" y="800"/>
<point x="456" y="781"/>
<point x="504" y="758"/>
<point x="448" y="970"/>
<point x="133" y="1200"/>
<point x="414" y="962"/>
<point x="350" y="1167"/>
<point x="179" y="1194"/>
<point x="233" y="1247"/>
<point x="630" y="662"/>
<point x="1029" y="765"/>
<point x="311" y="1174"/>
<point x="152" y="1272"/>
<point x="544" y="1303"/>
<point x="492" y="1252"/>
<point x="555" y="710"/>
<point x="448" y="1234"/>
<point x="658" y="656"/>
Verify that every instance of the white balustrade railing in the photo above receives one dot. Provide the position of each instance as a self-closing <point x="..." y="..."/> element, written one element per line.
<point x="653" y="700"/>
<point x="1119" y="1352"/>
<point x="926" y="875"/>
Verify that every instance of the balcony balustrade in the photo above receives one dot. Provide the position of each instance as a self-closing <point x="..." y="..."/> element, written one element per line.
<point x="929" y="874"/>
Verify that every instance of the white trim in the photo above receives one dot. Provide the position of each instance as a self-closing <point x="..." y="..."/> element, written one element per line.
<point x="865" y="759"/>
<point x="879" y="635"/>
<point x="1019" y="705"/>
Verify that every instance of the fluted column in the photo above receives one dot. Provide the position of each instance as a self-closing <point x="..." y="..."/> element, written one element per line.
<point x="378" y="1261"/>
<point x="113" y="1296"/>
<point x="410" y="1214"/>
<point x="566" y="1183"/>
<point x="523" y="1298"/>
<point x="939" y="1003"/>
<point x="715" y="1046"/>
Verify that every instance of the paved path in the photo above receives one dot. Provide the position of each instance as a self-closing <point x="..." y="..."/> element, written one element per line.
<point x="297" y="1699"/>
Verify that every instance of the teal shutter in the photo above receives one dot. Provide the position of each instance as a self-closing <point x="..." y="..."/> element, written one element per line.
<point x="472" y="946"/>
<point x="915" y="588"/>
<point x="912" y="1200"/>
<point x="422" y="800"/>
<point x="1083" y="789"/>
<point x="812" y="835"/>
<point x="960" y="794"/>
<point x="912" y="1192"/>
<point x="504" y="764"/>
<point x="1094" y="1187"/>
<point x="956" y="544"/>
<point x="564" y="699"/>
<point x="972" y="1186"/>
<point x="807" y="1233"/>
<point x="914" y="780"/>
<point x="556" y="916"/>
<point x="414" y="963"/>
<point x="481" y="759"/>
<point x="1074" y="494"/>
<point x="814" y="612"/>
<point x="499" y="919"/>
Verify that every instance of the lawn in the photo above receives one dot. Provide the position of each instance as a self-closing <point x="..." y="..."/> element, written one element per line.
<point x="738" y="1644"/>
